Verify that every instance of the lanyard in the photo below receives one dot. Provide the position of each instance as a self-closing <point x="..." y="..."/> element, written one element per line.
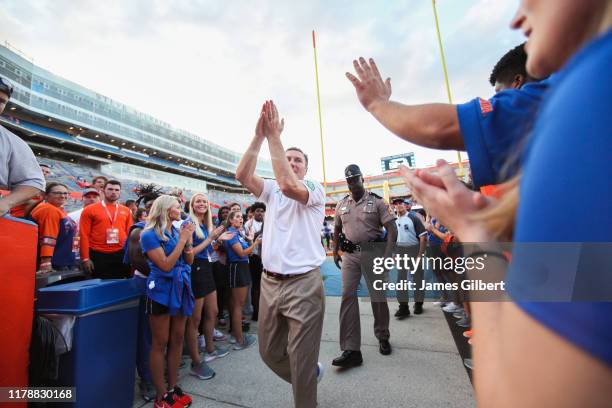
<point x="112" y="219"/>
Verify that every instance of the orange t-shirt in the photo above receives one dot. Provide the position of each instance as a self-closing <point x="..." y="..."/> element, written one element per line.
<point x="94" y="223"/>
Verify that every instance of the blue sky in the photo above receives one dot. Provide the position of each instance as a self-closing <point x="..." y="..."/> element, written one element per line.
<point x="206" y="66"/>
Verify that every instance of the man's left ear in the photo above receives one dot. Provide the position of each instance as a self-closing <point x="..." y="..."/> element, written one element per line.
<point x="518" y="81"/>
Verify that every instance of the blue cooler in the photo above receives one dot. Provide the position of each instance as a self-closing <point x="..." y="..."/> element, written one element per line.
<point x="101" y="364"/>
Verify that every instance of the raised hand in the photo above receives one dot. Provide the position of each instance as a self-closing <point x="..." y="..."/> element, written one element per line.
<point x="187" y="230"/>
<point x="217" y="231"/>
<point x="250" y="233"/>
<point x="272" y="126"/>
<point x="369" y="86"/>
<point x="450" y="200"/>
<point x="259" y="128"/>
<point x="226" y="236"/>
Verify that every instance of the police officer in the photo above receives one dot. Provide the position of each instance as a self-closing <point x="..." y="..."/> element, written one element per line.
<point x="360" y="217"/>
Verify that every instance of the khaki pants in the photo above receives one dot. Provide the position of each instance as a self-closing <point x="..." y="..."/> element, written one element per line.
<point x="350" y="325"/>
<point x="289" y="331"/>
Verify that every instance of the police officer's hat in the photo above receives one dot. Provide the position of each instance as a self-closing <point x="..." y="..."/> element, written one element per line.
<point x="352" y="170"/>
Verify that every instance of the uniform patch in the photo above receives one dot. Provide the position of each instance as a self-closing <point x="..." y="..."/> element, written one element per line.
<point x="310" y="185"/>
<point x="485" y="106"/>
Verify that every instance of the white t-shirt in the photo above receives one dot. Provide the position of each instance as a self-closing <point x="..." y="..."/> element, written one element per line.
<point x="291" y="237"/>
<point x="76" y="215"/>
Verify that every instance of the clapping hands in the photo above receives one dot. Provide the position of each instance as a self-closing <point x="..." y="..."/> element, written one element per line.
<point x="450" y="200"/>
<point x="269" y="124"/>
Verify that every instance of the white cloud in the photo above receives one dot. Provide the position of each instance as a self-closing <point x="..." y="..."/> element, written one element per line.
<point x="206" y="66"/>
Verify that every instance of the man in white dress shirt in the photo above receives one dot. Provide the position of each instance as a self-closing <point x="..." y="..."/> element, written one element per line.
<point x="292" y="300"/>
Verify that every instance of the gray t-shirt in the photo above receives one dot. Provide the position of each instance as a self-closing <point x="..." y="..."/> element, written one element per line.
<point x="409" y="230"/>
<point x="18" y="165"/>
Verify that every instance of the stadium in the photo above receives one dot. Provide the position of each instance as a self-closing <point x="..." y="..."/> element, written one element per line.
<point x="201" y="261"/>
<point x="83" y="134"/>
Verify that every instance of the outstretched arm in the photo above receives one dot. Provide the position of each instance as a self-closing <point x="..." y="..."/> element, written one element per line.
<point x="433" y="125"/>
<point x="245" y="172"/>
<point x="288" y="182"/>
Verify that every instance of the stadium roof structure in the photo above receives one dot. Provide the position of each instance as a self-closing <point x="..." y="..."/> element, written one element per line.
<point x="55" y="115"/>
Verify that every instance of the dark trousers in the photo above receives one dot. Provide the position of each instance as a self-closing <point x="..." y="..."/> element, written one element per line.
<point x="108" y="265"/>
<point x="220" y="273"/>
<point x="256" y="268"/>
<point x="143" y="345"/>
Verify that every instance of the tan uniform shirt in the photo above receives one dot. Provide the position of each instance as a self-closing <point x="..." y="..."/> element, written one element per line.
<point x="362" y="221"/>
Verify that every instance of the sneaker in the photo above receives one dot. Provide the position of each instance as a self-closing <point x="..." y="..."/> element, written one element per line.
<point x="168" y="402"/>
<point x="147" y="390"/>
<point x="320" y="372"/>
<point x="418" y="308"/>
<point x="247" y="341"/>
<point x="179" y="396"/>
<point x="452" y="308"/>
<point x="440" y="302"/>
<point x="218" y="352"/>
<point x="464" y="322"/>
<point x="232" y="339"/>
<point x="459" y="315"/>
<point x="201" y="342"/>
<point x="218" y="336"/>
<point x="468" y="363"/>
<point x="202" y="371"/>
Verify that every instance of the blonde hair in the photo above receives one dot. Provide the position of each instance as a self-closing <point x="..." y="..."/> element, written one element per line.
<point x="157" y="219"/>
<point x="207" y="218"/>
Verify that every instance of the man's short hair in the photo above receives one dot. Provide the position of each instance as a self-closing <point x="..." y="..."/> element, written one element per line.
<point x="510" y="65"/>
<point x="129" y="202"/>
<point x="113" y="182"/>
<point x="6" y="87"/>
<point x="297" y="149"/>
<point x="93" y="180"/>
<point x="258" y="204"/>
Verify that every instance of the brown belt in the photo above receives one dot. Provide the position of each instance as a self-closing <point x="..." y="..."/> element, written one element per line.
<point x="281" y="276"/>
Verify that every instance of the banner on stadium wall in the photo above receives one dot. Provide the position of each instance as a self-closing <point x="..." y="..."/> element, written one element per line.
<point x="391" y="163"/>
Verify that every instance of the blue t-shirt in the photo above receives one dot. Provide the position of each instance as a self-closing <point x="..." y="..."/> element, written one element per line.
<point x="493" y="128"/>
<point x="431" y="237"/>
<point x="206" y="252"/>
<point x="232" y="256"/>
<point x="172" y="289"/>
<point x="566" y="199"/>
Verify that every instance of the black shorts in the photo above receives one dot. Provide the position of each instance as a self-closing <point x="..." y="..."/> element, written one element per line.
<point x="239" y="275"/>
<point x="154" y="308"/>
<point x="220" y="275"/>
<point x="202" y="281"/>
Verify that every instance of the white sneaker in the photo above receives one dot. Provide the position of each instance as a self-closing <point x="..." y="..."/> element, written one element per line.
<point x="201" y="342"/>
<point x="218" y="336"/>
<point x="320" y="371"/>
<point x="452" y="308"/>
<point x="232" y="339"/>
